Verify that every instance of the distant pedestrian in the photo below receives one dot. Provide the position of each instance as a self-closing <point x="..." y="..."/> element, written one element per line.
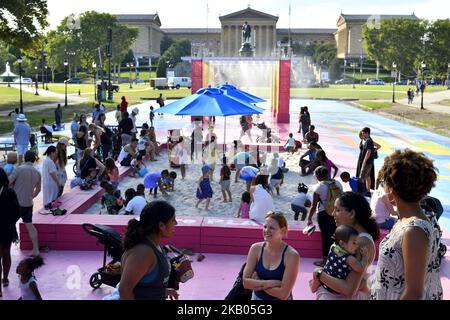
<point x="118" y="114"/>
<point x="123" y="106"/>
<point x="160" y="101"/>
<point x="58" y="117"/>
<point x="13" y="114"/>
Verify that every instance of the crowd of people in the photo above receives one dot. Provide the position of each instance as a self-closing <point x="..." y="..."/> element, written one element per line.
<point x="349" y="222"/>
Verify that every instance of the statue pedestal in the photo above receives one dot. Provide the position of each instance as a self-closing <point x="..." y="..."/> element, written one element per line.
<point x="246" y="50"/>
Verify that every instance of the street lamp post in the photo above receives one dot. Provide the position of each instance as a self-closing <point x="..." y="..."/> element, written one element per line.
<point x="345" y="66"/>
<point x="422" y="86"/>
<point x="20" y="84"/>
<point x="46" y="78"/>
<point x="394" y="68"/>
<point x="36" y="82"/>
<point x="94" y="68"/>
<point x="353" y="65"/>
<point x="66" y="63"/>
<point x="130" y="65"/>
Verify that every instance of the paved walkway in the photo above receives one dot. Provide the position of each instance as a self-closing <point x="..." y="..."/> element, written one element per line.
<point x="430" y="101"/>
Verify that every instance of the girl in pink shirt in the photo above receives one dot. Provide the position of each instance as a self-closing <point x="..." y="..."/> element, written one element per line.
<point x="244" y="208"/>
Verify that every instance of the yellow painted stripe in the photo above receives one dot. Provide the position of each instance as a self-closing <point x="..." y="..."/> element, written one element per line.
<point x="432" y="147"/>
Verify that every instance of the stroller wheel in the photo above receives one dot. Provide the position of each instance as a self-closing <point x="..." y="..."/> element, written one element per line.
<point x="75" y="169"/>
<point x="96" y="280"/>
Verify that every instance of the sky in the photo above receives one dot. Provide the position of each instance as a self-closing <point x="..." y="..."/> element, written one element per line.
<point x="304" y="13"/>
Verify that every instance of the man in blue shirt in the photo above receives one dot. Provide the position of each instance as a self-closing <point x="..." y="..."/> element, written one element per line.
<point x="22" y="132"/>
<point x="308" y="167"/>
<point x="356" y="184"/>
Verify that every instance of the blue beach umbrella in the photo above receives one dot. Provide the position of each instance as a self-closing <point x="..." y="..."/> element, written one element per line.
<point x="210" y="102"/>
<point x="234" y="92"/>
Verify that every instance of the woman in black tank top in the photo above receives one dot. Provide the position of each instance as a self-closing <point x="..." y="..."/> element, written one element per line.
<point x="275" y="263"/>
<point x="145" y="266"/>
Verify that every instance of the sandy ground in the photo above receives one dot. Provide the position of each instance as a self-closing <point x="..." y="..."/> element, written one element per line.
<point x="184" y="200"/>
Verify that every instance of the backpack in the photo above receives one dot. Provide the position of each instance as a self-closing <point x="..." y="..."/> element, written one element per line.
<point x="238" y="292"/>
<point x="333" y="193"/>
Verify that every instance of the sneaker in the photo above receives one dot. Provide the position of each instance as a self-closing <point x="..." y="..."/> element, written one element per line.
<point x="308" y="230"/>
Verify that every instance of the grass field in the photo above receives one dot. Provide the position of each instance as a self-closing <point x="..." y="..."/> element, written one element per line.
<point x="10" y="98"/>
<point x="445" y="102"/>
<point x="375" y="105"/>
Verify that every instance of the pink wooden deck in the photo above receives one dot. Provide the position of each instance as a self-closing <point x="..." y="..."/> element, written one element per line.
<point x="77" y="201"/>
<point x="200" y="234"/>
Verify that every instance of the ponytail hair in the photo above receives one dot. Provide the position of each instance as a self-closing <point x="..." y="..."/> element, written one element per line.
<point x="363" y="213"/>
<point x="152" y="215"/>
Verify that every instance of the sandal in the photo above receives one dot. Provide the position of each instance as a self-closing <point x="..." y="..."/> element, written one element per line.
<point x="5" y="283"/>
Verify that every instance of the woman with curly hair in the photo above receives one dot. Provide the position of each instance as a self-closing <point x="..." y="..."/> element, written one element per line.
<point x="145" y="266"/>
<point x="409" y="263"/>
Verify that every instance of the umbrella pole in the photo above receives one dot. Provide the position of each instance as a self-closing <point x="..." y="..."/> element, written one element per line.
<point x="224" y="135"/>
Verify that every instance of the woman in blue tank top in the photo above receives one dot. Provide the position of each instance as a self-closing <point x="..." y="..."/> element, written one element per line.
<point x="272" y="266"/>
<point x="145" y="266"/>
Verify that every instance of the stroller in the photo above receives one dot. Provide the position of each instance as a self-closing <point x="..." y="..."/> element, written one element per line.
<point x="108" y="274"/>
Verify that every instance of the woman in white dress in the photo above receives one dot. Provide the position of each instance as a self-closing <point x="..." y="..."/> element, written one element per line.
<point x="351" y="209"/>
<point x="410" y="259"/>
<point x="261" y="199"/>
<point x="50" y="180"/>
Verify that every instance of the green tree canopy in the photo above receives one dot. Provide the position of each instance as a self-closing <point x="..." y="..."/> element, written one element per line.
<point x="397" y="40"/>
<point x="437" y="54"/>
<point x="166" y="42"/>
<point x="82" y="41"/>
<point x="173" y="55"/>
<point x="324" y="52"/>
<point x="22" y="21"/>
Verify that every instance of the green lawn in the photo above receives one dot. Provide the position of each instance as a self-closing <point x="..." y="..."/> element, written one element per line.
<point x="10" y="98"/>
<point x="361" y="92"/>
<point x="88" y="89"/>
<point x="143" y="75"/>
<point x="375" y="105"/>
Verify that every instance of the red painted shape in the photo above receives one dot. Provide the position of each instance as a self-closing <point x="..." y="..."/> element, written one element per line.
<point x="197" y="80"/>
<point x="284" y="92"/>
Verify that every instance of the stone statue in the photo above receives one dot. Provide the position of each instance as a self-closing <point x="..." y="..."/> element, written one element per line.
<point x="246" y="32"/>
<point x="8" y="68"/>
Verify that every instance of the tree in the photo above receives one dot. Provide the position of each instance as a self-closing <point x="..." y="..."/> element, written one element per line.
<point x="324" y="52"/>
<point x="397" y="40"/>
<point x="83" y="42"/>
<point x="22" y="21"/>
<point x="166" y="42"/>
<point x="173" y="55"/>
<point x="6" y="56"/>
<point x="437" y="54"/>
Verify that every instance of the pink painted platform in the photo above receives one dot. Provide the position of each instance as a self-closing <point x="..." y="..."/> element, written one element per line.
<point x="200" y="234"/>
<point x="77" y="201"/>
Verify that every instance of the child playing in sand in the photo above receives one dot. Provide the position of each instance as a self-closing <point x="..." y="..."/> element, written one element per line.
<point x="139" y="166"/>
<point x="344" y="256"/>
<point x="11" y="160"/>
<point x="204" y="190"/>
<point x="225" y="174"/>
<point x="112" y="199"/>
<point x="169" y="182"/>
<point x="155" y="180"/>
<point x="28" y="285"/>
<point x="244" y="208"/>
<point x="290" y="144"/>
<point x="152" y="115"/>
<point x="356" y="184"/>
